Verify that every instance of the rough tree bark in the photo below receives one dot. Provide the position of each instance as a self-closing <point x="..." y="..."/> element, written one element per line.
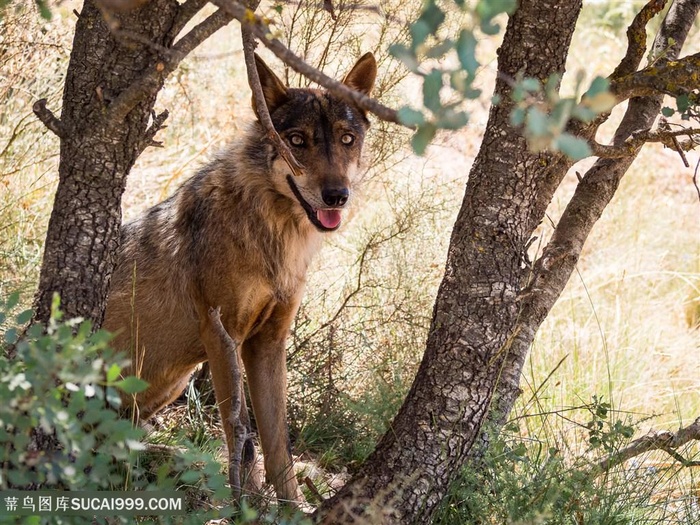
<point x="476" y="310"/>
<point x="492" y="301"/>
<point x="543" y="285"/>
<point x="118" y="64"/>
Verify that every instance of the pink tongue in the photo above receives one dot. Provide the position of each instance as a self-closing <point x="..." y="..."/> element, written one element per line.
<point x="329" y="218"/>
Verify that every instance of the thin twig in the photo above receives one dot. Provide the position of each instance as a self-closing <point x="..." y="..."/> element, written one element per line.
<point x="695" y="179"/>
<point x="312" y="488"/>
<point x="187" y="10"/>
<point x="261" y="108"/>
<point x="262" y="32"/>
<point x="49" y="120"/>
<point x="157" y="124"/>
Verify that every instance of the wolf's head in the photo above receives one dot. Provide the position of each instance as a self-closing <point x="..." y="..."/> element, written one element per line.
<point x="325" y="134"/>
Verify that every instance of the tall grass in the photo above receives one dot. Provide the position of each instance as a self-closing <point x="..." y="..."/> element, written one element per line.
<point x="625" y="329"/>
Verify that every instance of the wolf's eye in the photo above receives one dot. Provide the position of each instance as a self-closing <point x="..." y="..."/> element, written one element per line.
<point x="347" y="139"/>
<point x="295" y="139"/>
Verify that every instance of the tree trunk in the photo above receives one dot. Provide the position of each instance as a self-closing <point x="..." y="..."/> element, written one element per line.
<point x="477" y="309"/>
<point x="547" y="280"/>
<point x="97" y="152"/>
<point x="491" y="301"/>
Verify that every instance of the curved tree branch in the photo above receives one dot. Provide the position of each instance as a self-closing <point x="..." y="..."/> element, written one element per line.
<point x="552" y="270"/>
<point x="47" y="117"/>
<point x="151" y="81"/>
<point x="675" y="77"/>
<point x="666" y="441"/>
<point x="637" y="39"/>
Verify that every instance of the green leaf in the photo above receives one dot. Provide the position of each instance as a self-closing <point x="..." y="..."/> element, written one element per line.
<point x="574" y="147"/>
<point x="466" y="52"/>
<point x="44" y="10"/>
<point x="12" y="301"/>
<point x="11" y="336"/>
<point x="56" y="313"/>
<point x="517" y="117"/>
<point x="667" y="112"/>
<point x="131" y="385"/>
<point x="411" y="117"/>
<point x="113" y="372"/>
<point x="432" y="84"/>
<point x="599" y="85"/>
<point x="682" y="103"/>
<point x="583" y="113"/>
<point x="405" y="55"/>
<point x="432" y="16"/>
<point x="440" y="50"/>
<point x="25" y="317"/>
<point x="531" y="84"/>
<point x="453" y="120"/>
<point x="422" y="137"/>
<point x="537" y="122"/>
<point x="419" y="31"/>
<point x="486" y="10"/>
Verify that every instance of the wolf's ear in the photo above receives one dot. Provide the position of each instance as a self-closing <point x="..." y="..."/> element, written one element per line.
<point x="363" y="74"/>
<point x="274" y="90"/>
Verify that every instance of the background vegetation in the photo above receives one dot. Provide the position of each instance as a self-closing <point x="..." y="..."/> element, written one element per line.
<point x="624" y="333"/>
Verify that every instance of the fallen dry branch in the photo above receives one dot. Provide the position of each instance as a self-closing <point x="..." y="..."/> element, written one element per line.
<point x="667" y="441"/>
<point x="240" y="431"/>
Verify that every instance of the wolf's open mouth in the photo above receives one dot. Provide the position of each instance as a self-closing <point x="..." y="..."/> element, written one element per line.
<point x="326" y="219"/>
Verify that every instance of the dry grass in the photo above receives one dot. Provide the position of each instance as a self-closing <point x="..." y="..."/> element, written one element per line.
<point x="626" y="327"/>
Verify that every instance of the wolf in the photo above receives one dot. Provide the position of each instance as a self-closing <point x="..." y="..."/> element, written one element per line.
<point x="239" y="235"/>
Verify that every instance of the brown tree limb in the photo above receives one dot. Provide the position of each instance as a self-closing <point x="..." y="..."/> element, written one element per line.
<point x="260" y="105"/>
<point x="188" y="9"/>
<point x="596" y="189"/>
<point x="671" y="77"/>
<point x="152" y="79"/>
<point x="239" y="429"/>
<point x="44" y="114"/>
<point x="667" y="137"/>
<point x="637" y="39"/>
<point x="666" y="441"/>
<point x="262" y="32"/>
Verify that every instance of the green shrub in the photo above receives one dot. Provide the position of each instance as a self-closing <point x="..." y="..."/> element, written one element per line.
<point x="526" y="479"/>
<point x="62" y="382"/>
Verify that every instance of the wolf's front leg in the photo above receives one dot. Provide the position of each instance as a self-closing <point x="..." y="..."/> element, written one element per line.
<point x="266" y="370"/>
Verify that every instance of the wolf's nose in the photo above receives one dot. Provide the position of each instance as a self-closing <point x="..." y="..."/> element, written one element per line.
<point x="335" y="196"/>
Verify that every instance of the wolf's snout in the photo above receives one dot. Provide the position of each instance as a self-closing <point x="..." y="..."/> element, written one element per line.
<point x="335" y="197"/>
